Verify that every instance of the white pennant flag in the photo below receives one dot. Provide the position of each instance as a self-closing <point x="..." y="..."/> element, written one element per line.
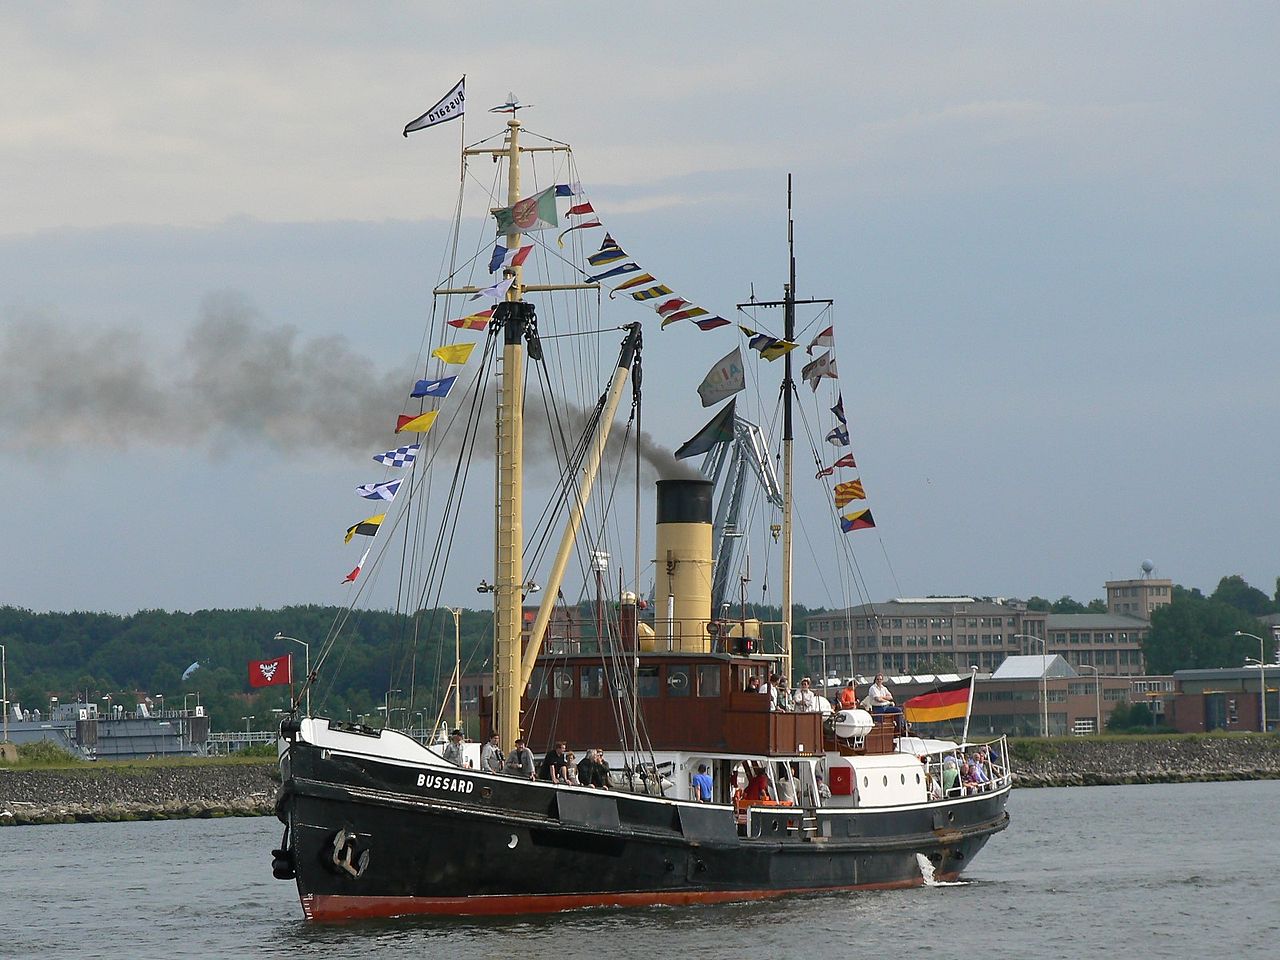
<point x="726" y="378"/>
<point x="495" y="291"/>
<point x="452" y="104"/>
<point x="824" y="366"/>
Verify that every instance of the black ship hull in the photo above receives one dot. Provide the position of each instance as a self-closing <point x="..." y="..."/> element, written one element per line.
<point x="366" y="837"/>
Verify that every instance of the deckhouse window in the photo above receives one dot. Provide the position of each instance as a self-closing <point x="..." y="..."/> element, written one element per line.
<point x="591" y="683"/>
<point x="647" y="682"/>
<point x="709" y="680"/>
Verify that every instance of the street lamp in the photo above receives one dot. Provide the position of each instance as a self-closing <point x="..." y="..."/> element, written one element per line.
<point x="1044" y="683"/>
<point x="1097" y="697"/>
<point x="4" y="693"/>
<point x="823" y="643"/>
<point x="247" y="720"/>
<point x="386" y="706"/>
<point x="306" y="684"/>
<point x="1262" y="674"/>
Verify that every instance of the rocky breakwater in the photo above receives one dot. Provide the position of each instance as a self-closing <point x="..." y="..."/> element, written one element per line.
<point x="167" y="791"/>
<point x="1155" y="759"/>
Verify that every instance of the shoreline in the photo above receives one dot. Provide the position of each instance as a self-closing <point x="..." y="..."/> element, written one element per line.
<point x="108" y="793"/>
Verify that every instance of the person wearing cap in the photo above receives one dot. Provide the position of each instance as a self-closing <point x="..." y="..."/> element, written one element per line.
<point x="804" y="700"/>
<point x="453" y="749"/>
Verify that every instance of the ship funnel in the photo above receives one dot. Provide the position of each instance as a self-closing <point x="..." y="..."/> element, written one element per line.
<point x="682" y="589"/>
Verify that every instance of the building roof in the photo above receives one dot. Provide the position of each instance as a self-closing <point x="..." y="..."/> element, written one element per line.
<point x="1033" y="668"/>
<point x="925" y="606"/>
<point x="1094" y="621"/>
<point x="1227" y="673"/>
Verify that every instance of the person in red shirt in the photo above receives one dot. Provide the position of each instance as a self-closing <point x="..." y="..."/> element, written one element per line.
<point x="848" y="696"/>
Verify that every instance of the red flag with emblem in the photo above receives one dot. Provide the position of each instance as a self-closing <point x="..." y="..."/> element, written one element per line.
<point x="269" y="673"/>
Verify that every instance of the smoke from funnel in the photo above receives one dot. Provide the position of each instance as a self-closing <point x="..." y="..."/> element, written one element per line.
<point x="236" y="381"/>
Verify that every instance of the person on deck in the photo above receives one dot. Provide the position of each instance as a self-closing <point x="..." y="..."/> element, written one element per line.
<point x="770" y="689"/>
<point x="805" y="701"/>
<point x="848" y="696"/>
<point x="824" y="792"/>
<point x="453" y="749"/>
<point x="881" y="698"/>
<point x="702" y="784"/>
<point x="758" y="788"/>
<point x="554" y="763"/>
<point x="950" y="776"/>
<point x="784" y="694"/>
<point x="786" y="776"/>
<point x="593" y="771"/>
<point x="491" y="756"/>
<point x="520" y="763"/>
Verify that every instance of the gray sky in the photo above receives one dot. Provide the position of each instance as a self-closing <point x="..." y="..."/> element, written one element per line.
<point x="1051" y="232"/>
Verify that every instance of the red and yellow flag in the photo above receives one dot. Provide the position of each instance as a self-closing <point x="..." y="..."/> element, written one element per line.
<point x="950" y="701"/>
<point x="475" y="321"/>
<point x="849" y="491"/>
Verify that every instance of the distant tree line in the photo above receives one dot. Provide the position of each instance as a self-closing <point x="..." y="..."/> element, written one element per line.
<point x="130" y="657"/>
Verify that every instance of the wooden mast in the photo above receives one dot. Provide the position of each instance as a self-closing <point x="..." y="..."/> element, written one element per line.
<point x="788" y="304"/>
<point x="509" y="522"/>
<point x="516" y="320"/>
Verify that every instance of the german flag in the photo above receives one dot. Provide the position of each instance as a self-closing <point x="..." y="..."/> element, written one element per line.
<point x="949" y="701"/>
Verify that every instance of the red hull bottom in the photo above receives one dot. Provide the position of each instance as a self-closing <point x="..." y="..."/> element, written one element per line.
<point x="335" y="908"/>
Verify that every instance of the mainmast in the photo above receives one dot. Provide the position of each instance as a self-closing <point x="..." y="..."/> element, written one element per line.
<point x="788" y="391"/>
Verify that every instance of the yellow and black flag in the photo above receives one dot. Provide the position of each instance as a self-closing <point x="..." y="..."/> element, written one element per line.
<point x="367" y="527"/>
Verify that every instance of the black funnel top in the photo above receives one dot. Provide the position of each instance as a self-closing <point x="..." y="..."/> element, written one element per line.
<point x="684" y="501"/>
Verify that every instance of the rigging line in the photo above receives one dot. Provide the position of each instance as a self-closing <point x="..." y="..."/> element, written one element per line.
<point x="824" y="312"/>
<point x="594" y="332"/>
<point x="461" y="472"/>
<point x="450" y="521"/>
<point x="859" y="579"/>
<point x="566" y="460"/>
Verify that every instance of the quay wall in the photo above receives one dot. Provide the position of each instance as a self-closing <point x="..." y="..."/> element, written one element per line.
<point x="1082" y="761"/>
<point x="178" y="791"/>
<point x="108" y="792"/>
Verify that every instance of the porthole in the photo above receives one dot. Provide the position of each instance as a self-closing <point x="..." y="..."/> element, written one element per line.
<point x="775" y="826"/>
<point x="902" y="778"/>
<point x="886" y="780"/>
<point x="917" y="778"/>
<point x="866" y="782"/>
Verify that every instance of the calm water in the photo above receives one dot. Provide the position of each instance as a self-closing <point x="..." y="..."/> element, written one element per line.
<point x="1183" y="871"/>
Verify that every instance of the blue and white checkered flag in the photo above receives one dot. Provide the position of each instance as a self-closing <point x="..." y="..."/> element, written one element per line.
<point x="399" y="457"/>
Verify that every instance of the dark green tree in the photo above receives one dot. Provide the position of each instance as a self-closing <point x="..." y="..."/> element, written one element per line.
<point x="1195" y="631"/>
<point x="1235" y="592"/>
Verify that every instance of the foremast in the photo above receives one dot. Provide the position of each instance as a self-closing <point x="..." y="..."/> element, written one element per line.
<point x="518" y="326"/>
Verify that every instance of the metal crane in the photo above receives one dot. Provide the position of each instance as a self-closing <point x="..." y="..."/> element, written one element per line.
<point x="747" y="449"/>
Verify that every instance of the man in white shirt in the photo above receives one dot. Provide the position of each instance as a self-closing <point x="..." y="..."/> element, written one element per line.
<point x="881" y="700"/>
<point x="804" y="700"/>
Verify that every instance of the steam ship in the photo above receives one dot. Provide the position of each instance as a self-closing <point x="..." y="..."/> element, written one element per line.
<point x="378" y="823"/>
